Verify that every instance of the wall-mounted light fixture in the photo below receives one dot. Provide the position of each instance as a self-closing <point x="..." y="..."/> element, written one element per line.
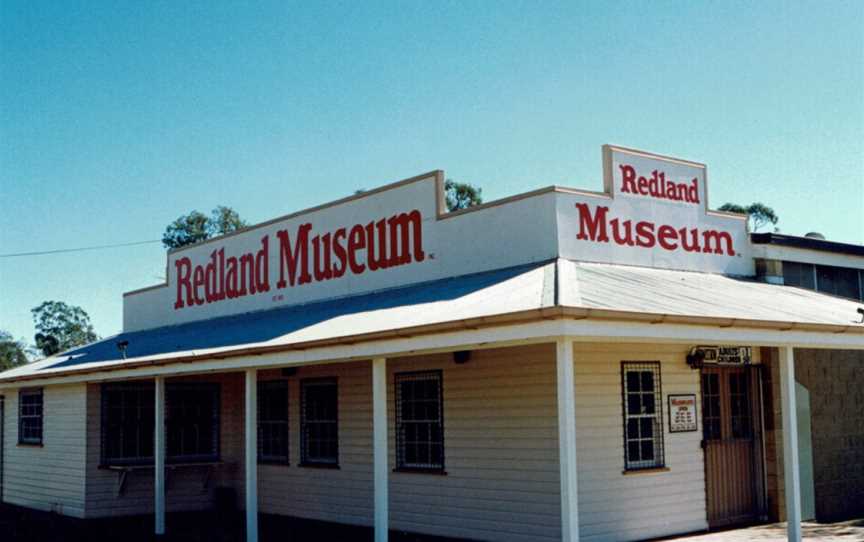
<point x="696" y="358"/>
<point x="460" y="357"/>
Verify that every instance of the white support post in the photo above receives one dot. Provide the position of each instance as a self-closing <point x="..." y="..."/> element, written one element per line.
<point x="159" y="454"/>
<point x="567" y="442"/>
<point x="791" y="474"/>
<point x="379" y="440"/>
<point x="251" y="411"/>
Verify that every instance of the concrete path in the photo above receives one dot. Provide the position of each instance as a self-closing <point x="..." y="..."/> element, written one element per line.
<point x="846" y="531"/>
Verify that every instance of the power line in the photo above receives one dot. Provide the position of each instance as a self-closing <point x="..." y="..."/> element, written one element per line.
<point x="79" y="249"/>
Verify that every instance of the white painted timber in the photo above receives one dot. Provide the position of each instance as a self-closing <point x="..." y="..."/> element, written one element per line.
<point x="585" y="330"/>
<point x="614" y="506"/>
<point x="791" y="472"/>
<point x="49" y="477"/>
<point x="251" y="463"/>
<point x="567" y="441"/>
<point x="379" y="437"/>
<point x="159" y="454"/>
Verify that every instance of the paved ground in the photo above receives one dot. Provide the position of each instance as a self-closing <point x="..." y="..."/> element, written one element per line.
<point x="22" y="525"/>
<point x="844" y="532"/>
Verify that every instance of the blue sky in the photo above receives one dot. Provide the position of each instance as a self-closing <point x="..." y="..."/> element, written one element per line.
<point x="117" y="117"/>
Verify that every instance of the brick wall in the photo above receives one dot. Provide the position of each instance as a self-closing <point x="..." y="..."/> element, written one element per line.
<point x="835" y="379"/>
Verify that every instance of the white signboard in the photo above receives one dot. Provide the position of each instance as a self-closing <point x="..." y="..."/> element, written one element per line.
<point x="682" y="413"/>
<point x="653" y="213"/>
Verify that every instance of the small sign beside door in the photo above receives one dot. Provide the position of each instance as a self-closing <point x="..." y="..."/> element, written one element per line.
<point x="682" y="413"/>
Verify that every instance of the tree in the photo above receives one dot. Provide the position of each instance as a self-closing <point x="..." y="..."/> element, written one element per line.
<point x="461" y="195"/>
<point x="12" y="353"/>
<point x="60" y="327"/>
<point x="196" y="227"/>
<point x="758" y="214"/>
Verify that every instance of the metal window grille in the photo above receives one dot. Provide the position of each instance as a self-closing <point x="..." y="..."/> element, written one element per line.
<point x="739" y="404"/>
<point x="643" y="415"/>
<point x="127" y="423"/>
<point x="711" y="420"/>
<point x="419" y="421"/>
<point x="30" y="420"/>
<point x="192" y="422"/>
<point x="319" y="421"/>
<point x="273" y="421"/>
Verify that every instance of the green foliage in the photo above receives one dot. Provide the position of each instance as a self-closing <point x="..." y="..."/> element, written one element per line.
<point x="12" y="353"/>
<point x="758" y="214"/>
<point x="461" y="195"/>
<point x="196" y="227"/>
<point x="60" y="327"/>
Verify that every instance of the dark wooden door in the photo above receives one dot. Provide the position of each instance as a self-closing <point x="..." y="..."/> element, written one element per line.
<point x="730" y="444"/>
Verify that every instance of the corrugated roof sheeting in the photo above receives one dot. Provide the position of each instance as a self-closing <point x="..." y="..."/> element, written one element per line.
<point x="685" y="293"/>
<point x="624" y="290"/>
<point x="459" y="298"/>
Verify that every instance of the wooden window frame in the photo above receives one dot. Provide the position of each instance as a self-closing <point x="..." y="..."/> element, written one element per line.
<point x="40" y="417"/>
<point x="401" y="464"/>
<point x="305" y="423"/>
<point x="265" y="387"/>
<point x="170" y="389"/>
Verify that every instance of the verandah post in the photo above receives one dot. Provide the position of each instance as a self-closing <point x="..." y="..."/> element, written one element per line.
<point x="567" y="441"/>
<point x="791" y="474"/>
<point x="251" y="411"/>
<point x="379" y="440"/>
<point x="159" y="454"/>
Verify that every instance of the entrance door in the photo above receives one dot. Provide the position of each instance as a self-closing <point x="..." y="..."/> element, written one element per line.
<point x="730" y="415"/>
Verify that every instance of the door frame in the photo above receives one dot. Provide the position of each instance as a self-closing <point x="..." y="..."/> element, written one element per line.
<point x="758" y="457"/>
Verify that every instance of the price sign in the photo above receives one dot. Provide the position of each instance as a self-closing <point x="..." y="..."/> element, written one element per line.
<point x="682" y="413"/>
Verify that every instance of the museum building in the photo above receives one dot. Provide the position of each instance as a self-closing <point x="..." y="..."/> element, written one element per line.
<point x="557" y="365"/>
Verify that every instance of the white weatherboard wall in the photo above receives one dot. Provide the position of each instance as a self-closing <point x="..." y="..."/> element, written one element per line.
<point x="615" y="506"/>
<point x="500" y="437"/>
<point x="50" y="477"/>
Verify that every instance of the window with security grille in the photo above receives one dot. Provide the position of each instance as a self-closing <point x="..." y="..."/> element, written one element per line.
<point x="711" y="421"/>
<point x="643" y="416"/>
<point x="319" y="417"/>
<point x="273" y="421"/>
<point x="30" y="416"/>
<point x="739" y="404"/>
<point x="192" y="422"/>
<point x="127" y="423"/>
<point x="419" y="421"/>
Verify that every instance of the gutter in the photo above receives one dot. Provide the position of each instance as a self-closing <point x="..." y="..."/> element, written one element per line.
<point x="532" y="315"/>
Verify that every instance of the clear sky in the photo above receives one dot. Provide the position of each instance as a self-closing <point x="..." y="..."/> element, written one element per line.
<point x="117" y="117"/>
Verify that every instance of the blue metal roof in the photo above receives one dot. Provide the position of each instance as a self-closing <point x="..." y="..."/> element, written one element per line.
<point x="263" y="326"/>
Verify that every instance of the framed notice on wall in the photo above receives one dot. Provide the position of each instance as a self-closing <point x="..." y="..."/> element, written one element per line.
<point x="682" y="413"/>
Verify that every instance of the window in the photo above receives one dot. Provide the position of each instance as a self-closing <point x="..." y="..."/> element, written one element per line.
<point x="839" y="281"/>
<point x="739" y="403"/>
<point x="419" y="421"/>
<point x="192" y="422"/>
<point x="128" y="420"/>
<point x="711" y="428"/>
<point x="127" y="423"/>
<point x="30" y="416"/>
<point x="273" y="421"/>
<point x="319" y="431"/>
<point x="799" y="274"/>
<point x="643" y="417"/>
